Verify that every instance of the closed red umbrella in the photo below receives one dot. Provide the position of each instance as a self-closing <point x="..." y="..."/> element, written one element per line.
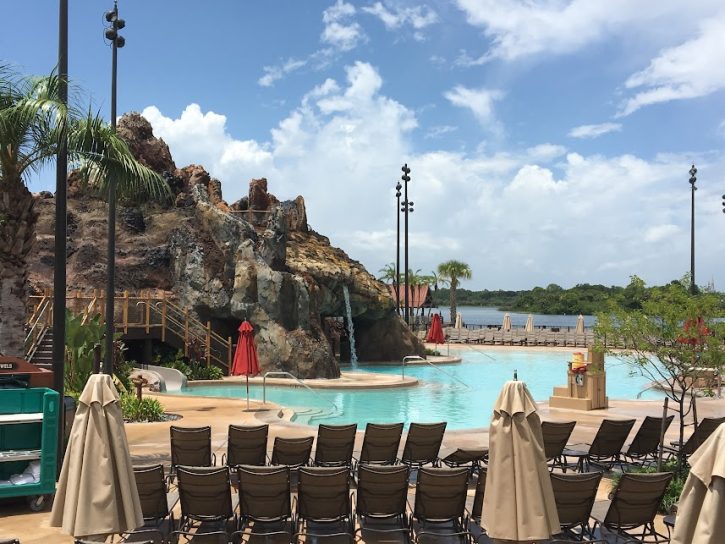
<point x="245" y="358"/>
<point x="435" y="334"/>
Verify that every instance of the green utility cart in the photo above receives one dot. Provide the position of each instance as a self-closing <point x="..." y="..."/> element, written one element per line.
<point x="29" y="432"/>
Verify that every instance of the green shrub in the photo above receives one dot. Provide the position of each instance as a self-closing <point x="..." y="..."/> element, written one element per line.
<point x="194" y="370"/>
<point x="429" y="351"/>
<point x="674" y="488"/>
<point x="146" y="409"/>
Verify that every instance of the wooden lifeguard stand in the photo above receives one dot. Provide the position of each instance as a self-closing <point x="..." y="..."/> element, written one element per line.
<point x="585" y="389"/>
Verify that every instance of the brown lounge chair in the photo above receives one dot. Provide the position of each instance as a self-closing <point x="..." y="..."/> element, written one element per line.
<point x="334" y="445"/>
<point x="264" y="503"/>
<point x="157" y="503"/>
<point x="382" y="492"/>
<point x="191" y="446"/>
<point x="440" y="504"/>
<point x="555" y="436"/>
<point x="646" y="443"/>
<point x="246" y="445"/>
<point x="605" y="450"/>
<point x="324" y="504"/>
<point x="380" y="444"/>
<point x="575" y="495"/>
<point x="633" y="508"/>
<point x="473" y="458"/>
<point x="703" y="431"/>
<point x="423" y="444"/>
<point x="206" y="503"/>
<point x="292" y="452"/>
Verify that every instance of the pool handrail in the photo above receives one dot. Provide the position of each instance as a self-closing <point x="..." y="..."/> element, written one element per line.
<point x="298" y="380"/>
<point x="439" y="369"/>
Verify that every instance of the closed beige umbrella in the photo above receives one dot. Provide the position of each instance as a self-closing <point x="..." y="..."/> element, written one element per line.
<point x="701" y="511"/>
<point x="529" y="324"/>
<point x="97" y="492"/>
<point x="459" y="321"/>
<point x="506" y="323"/>
<point x="519" y="501"/>
<point x="579" y="324"/>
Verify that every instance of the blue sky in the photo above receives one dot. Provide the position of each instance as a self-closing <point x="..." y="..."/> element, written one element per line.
<point x="549" y="141"/>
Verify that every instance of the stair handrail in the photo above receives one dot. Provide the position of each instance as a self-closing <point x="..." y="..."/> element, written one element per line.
<point x="419" y="359"/>
<point x="338" y="411"/>
<point x="87" y="312"/>
<point x="37" y="327"/>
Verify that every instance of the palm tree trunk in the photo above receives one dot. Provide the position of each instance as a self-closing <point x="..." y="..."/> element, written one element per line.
<point x="17" y="234"/>
<point x="454" y="308"/>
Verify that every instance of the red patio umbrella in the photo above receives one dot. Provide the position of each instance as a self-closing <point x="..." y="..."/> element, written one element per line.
<point x="245" y="358"/>
<point x="435" y="334"/>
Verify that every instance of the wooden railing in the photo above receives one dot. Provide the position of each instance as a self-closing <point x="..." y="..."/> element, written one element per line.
<point x="39" y="322"/>
<point x="147" y="311"/>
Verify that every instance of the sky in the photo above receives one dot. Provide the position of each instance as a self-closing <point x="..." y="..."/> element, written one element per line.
<point x="548" y="141"/>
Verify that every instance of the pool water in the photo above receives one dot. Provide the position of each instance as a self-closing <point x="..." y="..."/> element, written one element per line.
<point x="440" y="396"/>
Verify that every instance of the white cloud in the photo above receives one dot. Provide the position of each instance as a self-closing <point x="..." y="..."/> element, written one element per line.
<point x="536" y="216"/>
<point x="440" y="130"/>
<point x="689" y="70"/>
<point x="395" y="17"/>
<point x="340" y="32"/>
<point x="275" y="73"/>
<point x="518" y="28"/>
<point x="594" y="131"/>
<point x="479" y="101"/>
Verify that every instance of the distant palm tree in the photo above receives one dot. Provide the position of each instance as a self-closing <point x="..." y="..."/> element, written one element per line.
<point x="387" y="273"/>
<point x="451" y="272"/>
<point x="33" y="122"/>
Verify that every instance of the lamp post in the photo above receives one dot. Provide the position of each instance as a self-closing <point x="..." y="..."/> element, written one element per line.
<point x="693" y="179"/>
<point x="117" y="41"/>
<point x="398" y="187"/>
<point x="407" y="207"/>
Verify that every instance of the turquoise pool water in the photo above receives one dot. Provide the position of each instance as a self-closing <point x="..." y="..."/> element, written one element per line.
<point x="439" y="397"/>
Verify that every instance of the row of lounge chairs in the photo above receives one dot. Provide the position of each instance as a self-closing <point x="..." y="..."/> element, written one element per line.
<point x="543" y="337"/>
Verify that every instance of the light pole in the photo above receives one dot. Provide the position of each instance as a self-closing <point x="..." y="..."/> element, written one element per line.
<point x="693" y="179"/>
<point x="407" y="207"/>
<point x="117" y="41"/>
<point x="398" y="187"/>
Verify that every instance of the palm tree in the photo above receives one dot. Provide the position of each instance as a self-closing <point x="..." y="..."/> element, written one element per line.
<point x="387" y="273"/>
<point x="451" y="272"/>
<point x="33" y="121"/>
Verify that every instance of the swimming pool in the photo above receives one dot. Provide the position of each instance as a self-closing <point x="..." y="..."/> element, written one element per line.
<point x="438" y="397"/>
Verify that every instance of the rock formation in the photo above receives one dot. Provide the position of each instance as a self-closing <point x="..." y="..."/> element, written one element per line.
<point x="256" y="259"/>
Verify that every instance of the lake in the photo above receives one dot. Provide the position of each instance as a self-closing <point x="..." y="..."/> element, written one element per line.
<point x="485" y="315"/>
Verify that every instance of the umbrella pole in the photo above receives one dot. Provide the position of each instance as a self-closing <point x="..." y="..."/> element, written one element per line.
<point x="247" y="392"/>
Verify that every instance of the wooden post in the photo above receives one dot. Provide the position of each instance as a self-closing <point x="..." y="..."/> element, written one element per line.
<point x="186" y="332"/>
<point x="663" y="426"/>
<point x="148" y="313"/>
<point x="125" y="312"/>
<point x="208" y="343"/>
<point x="229" y="353"/>
<point x="163" y="317"/>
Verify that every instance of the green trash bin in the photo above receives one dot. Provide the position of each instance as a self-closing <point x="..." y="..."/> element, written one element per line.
<point x="28" y="433"/>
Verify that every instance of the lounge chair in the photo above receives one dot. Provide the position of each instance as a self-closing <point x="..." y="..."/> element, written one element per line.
<point x="440" y="504"/>
<point x="382" y="493"/>
<point x="633" y="508"/>
<point x="191" y="446"/>
<point x="264" y="502"/>
<point x="292" y="452"/>
<point x="246" y="445"/>
<point x="206" y="503"/>
<point x="605" y="450"/>
<point x="334" y="445"/>
<point x="703" y="431"/>
<point x="556" y="435"/>
<point x="380" y="444"/>
<point x="646" y="443"/>
<point x="324" y="504"/>
<point x="473" y="458"/>
<point x="157" y="503"/>
<point x="575" y="495"/>
<point x="423" y="444"/>
<point x="476" y="513"/>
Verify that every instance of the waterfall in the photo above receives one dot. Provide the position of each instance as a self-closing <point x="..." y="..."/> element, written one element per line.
<point x="350" y="327"/>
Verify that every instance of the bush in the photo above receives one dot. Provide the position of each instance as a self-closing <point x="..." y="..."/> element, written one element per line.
<point x="145" y="410"/>
<point x="429" y="351"/>
<point x="194" y="370"/>
<point x="674" y="488"/>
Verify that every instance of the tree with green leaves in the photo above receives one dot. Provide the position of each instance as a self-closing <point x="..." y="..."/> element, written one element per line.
<point x="676" y="339"/>
<point x="451" y="272"/>
<point x="387" y="273"/>
<point x="34" y="121"/>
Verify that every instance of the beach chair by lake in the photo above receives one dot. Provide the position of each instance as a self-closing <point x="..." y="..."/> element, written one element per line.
<point x="324" y="505"/>
<point x="605" y="450"/>
<point x="381" y="509"/>
<point x="380" y="443"/>
<point x="191" y="446"/>
<point x="423" y="444"/>
<point x="334" y="445"/>
<point x="555" y="436"/>
<point x="265" y="509"/>
<point x="633" y="508"/>
<point x="574" y="495"/>
<point x="439" y="510"/>
<point x="646" y="443"/>
<point x="246" y="445"/>
<point x="702" y="432"/>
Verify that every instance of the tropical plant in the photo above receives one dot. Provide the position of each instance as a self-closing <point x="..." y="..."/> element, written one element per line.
<point x="387" y="273"/>
<point x="676" y="339"/>
<point x="452" y="272"/>
<point x="143" y="410"/>
<point x="34" y="122"/>
<point x="81" y="341"/>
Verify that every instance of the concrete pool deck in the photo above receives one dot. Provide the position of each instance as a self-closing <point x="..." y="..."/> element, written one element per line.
<point x="149" y="442"/>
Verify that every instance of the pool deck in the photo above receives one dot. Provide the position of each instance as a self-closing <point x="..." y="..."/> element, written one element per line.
<point x="149" y="442"/>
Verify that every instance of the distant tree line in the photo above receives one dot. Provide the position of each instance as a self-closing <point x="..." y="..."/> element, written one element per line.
<point x="554" y="299"/>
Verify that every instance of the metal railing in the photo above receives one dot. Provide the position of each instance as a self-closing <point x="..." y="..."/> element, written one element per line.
<point x="420" y="359"/>
<point x="337" y="410"/>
